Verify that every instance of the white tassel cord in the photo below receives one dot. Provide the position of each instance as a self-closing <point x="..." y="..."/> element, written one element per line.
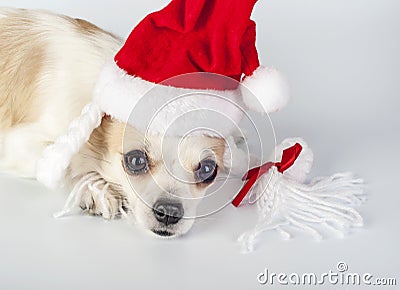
<point x="326" y="203"/>
<point x="56" y="157"/>
<point x="92" y="184"/>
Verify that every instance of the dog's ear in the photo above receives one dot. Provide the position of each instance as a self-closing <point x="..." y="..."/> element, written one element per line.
<point x="98" y="143"/>
<point x="107" y="137"/>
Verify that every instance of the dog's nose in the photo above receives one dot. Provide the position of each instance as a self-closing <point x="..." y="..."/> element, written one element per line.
<point x="168" y="212"/>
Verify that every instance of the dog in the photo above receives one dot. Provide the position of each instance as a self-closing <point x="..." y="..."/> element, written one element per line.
<point x="49" y="65"/>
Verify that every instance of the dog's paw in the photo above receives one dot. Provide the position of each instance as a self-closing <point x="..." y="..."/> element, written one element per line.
<point x="108" y="205"/>
<point x="92" y="193"/>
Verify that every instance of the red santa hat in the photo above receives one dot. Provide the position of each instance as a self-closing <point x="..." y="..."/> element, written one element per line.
<point x="190" y="56"/>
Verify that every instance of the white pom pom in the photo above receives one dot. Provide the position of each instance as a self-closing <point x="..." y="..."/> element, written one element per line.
<point x="302" y="166"/>
<point x="266" y="87"/>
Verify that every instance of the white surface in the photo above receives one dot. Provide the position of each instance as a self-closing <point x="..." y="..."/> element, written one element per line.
<point x="342" y="60"/>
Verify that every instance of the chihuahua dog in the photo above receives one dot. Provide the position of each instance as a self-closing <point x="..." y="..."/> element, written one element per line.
<point x="49" y="65"/>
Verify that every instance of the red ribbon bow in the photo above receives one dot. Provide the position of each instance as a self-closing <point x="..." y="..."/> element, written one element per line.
<point x="289" y="156"/>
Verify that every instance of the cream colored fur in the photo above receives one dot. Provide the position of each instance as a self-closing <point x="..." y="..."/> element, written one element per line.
<point x="49" y="65"/>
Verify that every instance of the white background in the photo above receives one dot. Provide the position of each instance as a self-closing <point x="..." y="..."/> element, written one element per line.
<point x="342" y="59"/>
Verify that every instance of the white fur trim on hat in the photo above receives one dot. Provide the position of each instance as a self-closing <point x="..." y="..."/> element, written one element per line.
<point x="266" y="86"/>
<point x="164" y="109"/>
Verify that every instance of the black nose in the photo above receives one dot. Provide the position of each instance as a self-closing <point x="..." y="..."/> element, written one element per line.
<point x="168" y="212"/>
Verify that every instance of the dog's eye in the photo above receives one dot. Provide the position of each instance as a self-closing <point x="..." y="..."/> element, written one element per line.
<point x="206" y="171"/>
<point x="135" y="162"/>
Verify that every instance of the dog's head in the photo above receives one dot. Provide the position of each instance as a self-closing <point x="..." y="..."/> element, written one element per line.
<point x="161" y="179"/>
